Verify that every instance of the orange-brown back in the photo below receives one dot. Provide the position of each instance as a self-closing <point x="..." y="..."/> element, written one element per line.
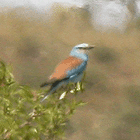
<point x="68" y="64"/>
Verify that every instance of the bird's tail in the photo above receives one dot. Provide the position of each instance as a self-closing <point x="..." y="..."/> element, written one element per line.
<point x="46" y="96"/>
<point x="48" y="83"/>
<point x="44" y="84"/>
<point x="53" y="88"/>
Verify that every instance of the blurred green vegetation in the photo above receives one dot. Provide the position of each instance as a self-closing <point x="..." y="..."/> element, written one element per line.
<point x="22" y="116"/>
<point x="35" y="44"/>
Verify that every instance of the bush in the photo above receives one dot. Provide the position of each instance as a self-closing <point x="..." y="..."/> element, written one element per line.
<point x="24" y="117"/>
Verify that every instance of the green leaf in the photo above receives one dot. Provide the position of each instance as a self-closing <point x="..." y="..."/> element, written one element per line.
<point x="22" y="116"/>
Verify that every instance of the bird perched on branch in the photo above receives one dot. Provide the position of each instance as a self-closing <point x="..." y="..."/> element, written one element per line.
<point x="70" y="69"/>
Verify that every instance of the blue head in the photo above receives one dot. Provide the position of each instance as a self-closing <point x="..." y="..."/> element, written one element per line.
<point x="81" y="51"/>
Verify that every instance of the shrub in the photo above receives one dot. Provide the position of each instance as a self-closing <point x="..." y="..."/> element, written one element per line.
<point x="22" y="116"/>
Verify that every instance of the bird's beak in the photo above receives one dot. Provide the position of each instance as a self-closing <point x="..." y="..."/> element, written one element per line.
<point x="87" y="48"/>
<point x="90" y="47"/>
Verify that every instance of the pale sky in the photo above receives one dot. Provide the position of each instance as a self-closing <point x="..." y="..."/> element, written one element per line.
<point x="106" y="13"/>
<point x="37" y="3"/>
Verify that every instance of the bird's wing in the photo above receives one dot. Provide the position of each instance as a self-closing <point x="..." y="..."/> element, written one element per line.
<point x="50" y="81"/>
<point x="61" y="71"/>
<point x="65" y="69"/>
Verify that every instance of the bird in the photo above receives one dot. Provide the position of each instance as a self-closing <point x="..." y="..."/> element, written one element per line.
<point x="70" y="69"/>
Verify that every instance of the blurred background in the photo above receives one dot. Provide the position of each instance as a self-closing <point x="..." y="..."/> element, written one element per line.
<point x="36" y="35"/>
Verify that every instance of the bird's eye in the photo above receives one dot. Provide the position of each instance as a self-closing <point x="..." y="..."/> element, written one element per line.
<point x="82" y="48"/>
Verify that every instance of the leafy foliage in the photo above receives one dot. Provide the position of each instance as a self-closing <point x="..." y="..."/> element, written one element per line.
<point x="22" y="116"/>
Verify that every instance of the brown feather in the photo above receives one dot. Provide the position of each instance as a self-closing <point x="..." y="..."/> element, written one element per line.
<point x="68" y="64"/>
<point x="60" y="71"/>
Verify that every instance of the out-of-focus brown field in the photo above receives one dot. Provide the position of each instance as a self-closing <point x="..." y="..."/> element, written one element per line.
<point x="34" y="44"/>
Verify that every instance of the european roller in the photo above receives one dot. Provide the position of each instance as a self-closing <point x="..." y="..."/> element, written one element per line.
<point x="69" y="70"/>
